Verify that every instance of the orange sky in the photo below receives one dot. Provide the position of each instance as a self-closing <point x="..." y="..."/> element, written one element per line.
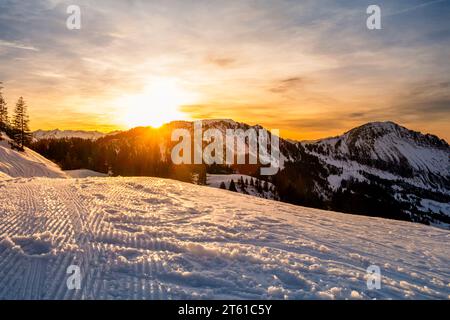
<point x="311" y="71"/>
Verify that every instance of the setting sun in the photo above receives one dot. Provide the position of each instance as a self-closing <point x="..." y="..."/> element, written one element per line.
<point x="158" y="104"/>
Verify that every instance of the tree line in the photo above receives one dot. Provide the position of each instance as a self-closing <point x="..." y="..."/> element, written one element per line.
<point x="260" y="186"/>
<point x="18" y="127"/>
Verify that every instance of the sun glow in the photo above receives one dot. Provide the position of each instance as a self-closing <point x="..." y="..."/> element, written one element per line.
<point x="158" y="104"/>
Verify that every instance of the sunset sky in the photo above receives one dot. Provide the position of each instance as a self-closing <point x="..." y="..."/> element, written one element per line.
<point x="309" y="68"/>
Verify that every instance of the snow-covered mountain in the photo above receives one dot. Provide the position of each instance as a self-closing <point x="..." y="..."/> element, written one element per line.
<point x="287" y="147"/>
<point x="60" y="134"/>
<point x="25" y="164"/>
<point x="386" y="146"/>
<point x="379" y="168"/>
<point x="388" y="166"/>
<point x="410" y="167"/>
<point x="149" y="238"/>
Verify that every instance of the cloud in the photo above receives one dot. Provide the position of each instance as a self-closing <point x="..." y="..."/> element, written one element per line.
<point x="17" y="45"/>
<point x="422" y="5"/>
<point x="220" y="61"/>
<point x="281" y="63"/>
<point x="287" y="84"/>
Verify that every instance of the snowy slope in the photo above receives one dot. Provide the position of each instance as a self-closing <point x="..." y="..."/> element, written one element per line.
<point x="4" y="175"/>
<point x="84" y="173"/>
<point x="214" y="180"/>
<point x="148" y="238"/>
<point x="25" y="164"/>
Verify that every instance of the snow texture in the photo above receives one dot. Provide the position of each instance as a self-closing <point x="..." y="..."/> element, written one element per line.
<point x="25" y="164"/>
<point x="84" y="173"/>
<point x="149" y="238"/>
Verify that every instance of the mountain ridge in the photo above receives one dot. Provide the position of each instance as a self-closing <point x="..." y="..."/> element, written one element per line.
<point x="377" y="167"/>
<point x="41" y="133"/>
<point x="60" y="134"/>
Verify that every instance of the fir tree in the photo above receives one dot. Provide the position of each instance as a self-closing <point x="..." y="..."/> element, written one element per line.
<point x="242" y="185"/>
<point x="21" y="131"/>
<point x="202" y="177"/>
<point x="223" y="186"/>
<point x="232" y="186"/>
<point x="258" y="186"/>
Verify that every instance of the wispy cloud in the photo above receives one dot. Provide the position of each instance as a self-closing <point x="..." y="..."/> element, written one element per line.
<point x="422" y="5"/>
<point x="17" y="45"/>
<point x="287" y="84"/>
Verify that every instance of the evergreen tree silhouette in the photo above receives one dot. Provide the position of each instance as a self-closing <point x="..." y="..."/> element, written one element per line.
<point x="21" y="131"/>
<point x="232" y="186"/>
<point x="266" y="186"/>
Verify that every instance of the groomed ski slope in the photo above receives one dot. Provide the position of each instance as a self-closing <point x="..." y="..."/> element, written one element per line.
<point x="148" y="238"/>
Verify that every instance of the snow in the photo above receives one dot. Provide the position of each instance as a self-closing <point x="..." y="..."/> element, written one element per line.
<point x="4" y="175"/>
<point x="215" y="122"/>
<point x="84" y="173"/>
<point x="25" y="164"/>
<point x="60" y="134"/>
<point x="149" y="238"/>
<point x="419" y="157"/>
<point x="388" y="142"/>
<point x="214" y="180"/>
<point x="435" y="206"/>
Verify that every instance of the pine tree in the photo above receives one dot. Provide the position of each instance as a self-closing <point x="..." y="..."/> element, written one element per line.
<point x="202" y="177"/>
<point x="21" y="131"/>
<point x="223" y="186"/>
<point x="266" y="186"/>
<point x="242" y="185"/>
<point x="232" y="186"/>
<point x="4" y="124"/>
<point x="251" y="182"/>
<point x="258" y="186"/>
